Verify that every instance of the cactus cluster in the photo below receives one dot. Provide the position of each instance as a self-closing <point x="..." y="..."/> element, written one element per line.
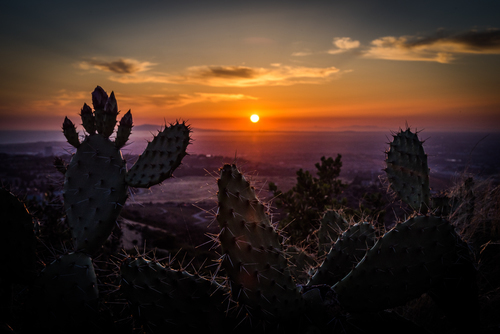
<point x="65" y="294"/>
<point x="360" y="273"/>
<point x="262" y="286"/>
<point x="96" y="180"/>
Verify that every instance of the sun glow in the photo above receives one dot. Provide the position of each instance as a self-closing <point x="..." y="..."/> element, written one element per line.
<point x="254" y="118"/>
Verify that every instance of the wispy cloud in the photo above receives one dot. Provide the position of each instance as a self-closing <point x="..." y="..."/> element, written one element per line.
<point x="120" y="66"/>
<point x="343" y="44"/>
<point x="181" y="99"/>
<point x="60" y="99"/>
<point x="442" y="47"/>
<point x="133" y="71"/>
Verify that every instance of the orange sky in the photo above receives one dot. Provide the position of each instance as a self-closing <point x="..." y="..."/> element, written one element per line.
<point x="311" y="66"/>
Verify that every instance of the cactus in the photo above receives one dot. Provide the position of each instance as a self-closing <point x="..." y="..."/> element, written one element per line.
<point x="252" y="253"/>
<point x="346" y="252"/>
<point x="166" y="299"/>
<point x="96" y="179"/>
<point x="300" y="263"/>
<point x="402" y="265"/>
<point x="332" y="226"/>
<point x="65" y="295"/>
<point x="359" y="273"/>
<point x="407" y="170"/>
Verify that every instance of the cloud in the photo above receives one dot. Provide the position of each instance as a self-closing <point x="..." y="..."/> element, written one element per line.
<point x="60" y="99"/>
<point x="301" y="53"/>
<point x="179" y="100"/>
<point x="237" y="76"/>
<point x="120" y="66"/>
<point x="442" y="47"/>
<point x="343" y="44"/>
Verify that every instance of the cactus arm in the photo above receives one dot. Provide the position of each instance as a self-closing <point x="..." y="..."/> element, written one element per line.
<point x="69" y="131"/>
<point x="124" y="130"/>
<point x="166" y="299"/>
<point x="65" y="295"/>
<point x="332" y="226"/>
<point x="88" y="119"/>
<point x="348" y="250"/>
<point x="252" y="255"/>
<point x="161" y="157"/>
<point x="402" y="265"/>
<point x="407" y="170"/>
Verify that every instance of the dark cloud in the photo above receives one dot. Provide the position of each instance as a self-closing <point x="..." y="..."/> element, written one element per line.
<point x="489" y="39"/>
<point x="120" y="66"/>
<point x="472" y="40"/>
<point x="229" y="72"/>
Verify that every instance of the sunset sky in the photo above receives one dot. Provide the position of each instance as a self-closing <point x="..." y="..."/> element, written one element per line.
<point x="299" y="65"/>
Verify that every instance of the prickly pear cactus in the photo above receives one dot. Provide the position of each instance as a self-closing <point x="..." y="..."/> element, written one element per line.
<point x="252" y="254"/>
<point x="347" y="251"/>
<point x="161" y="157"/>
<point x="332" y="226"/>
<point x="402" y="265"/>
<point x="96" y="180"/>
<point x="300" y="263"/>
<point x="164" y="299"/>
<point x="66" y="294"/>
<point x="407" y="170"/>
<point x="94" y="192"/>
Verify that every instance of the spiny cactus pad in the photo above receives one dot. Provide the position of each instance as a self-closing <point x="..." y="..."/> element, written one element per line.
<point x="161" y="157"/>
<point x="165" y="299"/>
<point x="332" y="226"/>
<point x="94" y="192"/>
<point x="300" y="263"/>
<point x="347" y="251"/>
<point x="67" y="293"/>
<point x="407" y="170"/>
<point x="252" y="255"/>
<point x="402" y="265"/>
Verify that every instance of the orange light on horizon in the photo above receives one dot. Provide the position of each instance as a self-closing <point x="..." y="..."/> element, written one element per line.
<point x="254" y="118"/>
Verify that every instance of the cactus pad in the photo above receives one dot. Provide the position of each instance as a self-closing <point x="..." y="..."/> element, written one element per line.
<point x="252" y="255"/>
<point x="407" y="170"/>
<point x="161" y="157"/>
<point x="347" y="251"/>
<point x="402" y="265"/>
<point x="94" y="192"/>
<point x="332" y="226"/>
<point x="165" y="299"/>
<point x="67" y="293"/>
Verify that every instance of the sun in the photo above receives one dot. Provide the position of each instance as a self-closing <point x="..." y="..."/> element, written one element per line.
<point x="254" y="118"/>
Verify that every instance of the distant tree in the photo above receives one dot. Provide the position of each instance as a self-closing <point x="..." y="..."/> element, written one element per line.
<point x="305" y="203"/>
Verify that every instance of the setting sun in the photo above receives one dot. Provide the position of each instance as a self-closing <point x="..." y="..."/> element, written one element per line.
<point x="254" y="118"/>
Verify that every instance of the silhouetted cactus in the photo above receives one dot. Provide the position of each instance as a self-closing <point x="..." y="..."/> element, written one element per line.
<point x="96" y="180"/>
<point x="260" y="291"/>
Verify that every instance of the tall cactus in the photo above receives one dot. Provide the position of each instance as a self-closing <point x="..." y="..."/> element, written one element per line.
<point x="252" y="253"/>
<point x="407" y="170"/>
<point x="96" y="180"/>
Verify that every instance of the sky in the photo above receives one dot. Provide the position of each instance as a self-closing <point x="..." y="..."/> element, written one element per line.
<point x="299" y="65"/>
